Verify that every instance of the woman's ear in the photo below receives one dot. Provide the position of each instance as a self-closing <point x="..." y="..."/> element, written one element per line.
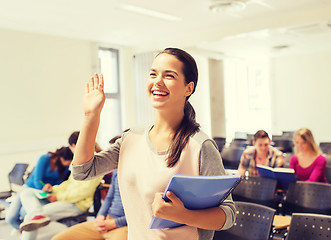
<point x="189" y="88"/>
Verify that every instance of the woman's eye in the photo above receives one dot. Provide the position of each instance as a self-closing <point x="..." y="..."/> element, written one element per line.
<point x="170" y="76"/>
<point x="152" y="74"/>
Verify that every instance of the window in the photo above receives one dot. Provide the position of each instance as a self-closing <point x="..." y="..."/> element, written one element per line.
<point x="110" y="122"/>
<point x="247" y="96"/>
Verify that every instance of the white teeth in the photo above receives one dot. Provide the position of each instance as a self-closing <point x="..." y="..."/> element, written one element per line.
<point x="160" y="93"/>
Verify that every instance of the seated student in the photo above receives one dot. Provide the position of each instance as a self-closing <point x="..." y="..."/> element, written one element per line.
<point x="107" y="177"/>
<point x="110" y="222"/>
<point x="73" y="140"/>
<point x="68" y="199"/>
<point x="262" y="153"/>
<point x="308" y="162"/>
<point x="51" y="168"/>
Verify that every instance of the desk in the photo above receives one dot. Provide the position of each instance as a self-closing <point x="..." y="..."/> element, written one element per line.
<point x="280" y="222"/>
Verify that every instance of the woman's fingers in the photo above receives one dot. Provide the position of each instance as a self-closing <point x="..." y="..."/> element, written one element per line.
<point x="96" y="81"/>
<point x="87" y="88"/>
<point x="101" y="82"/>
<point x="91" y="84"/>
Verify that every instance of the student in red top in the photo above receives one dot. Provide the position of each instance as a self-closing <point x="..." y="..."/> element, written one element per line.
<point x="308" y="162"/>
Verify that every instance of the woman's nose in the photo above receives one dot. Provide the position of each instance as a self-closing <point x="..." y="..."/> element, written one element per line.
<point x="158" y="80"/>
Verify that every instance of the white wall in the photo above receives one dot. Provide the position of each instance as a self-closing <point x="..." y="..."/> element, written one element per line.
<point x="200" y="99"/>
<point x="42" y="84"/>
<point x="301" y="93"/>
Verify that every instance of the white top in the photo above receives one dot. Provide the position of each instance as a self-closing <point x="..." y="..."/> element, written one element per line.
<point x="142" y="171"/>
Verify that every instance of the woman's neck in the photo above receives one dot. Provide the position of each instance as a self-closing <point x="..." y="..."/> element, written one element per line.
<point x="164" y="129"/>
<point x="307" y="153"/>
<point x="168" y="122"/>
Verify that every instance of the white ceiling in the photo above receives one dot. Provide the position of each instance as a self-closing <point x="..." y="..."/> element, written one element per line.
<point x="260" y="26"/>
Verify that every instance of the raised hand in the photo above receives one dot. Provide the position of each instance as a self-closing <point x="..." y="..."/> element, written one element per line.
<point x="94" y="98"/>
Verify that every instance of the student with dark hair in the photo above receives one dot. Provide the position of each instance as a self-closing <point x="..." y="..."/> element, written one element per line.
<point x="308" y="161"/>
<point x="51" y="168"/>
<point x="262" y="153"/>
<point x="147" y="157"/>
<point x="73" y="140"/>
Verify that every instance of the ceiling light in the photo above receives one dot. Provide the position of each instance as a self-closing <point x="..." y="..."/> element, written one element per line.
<point x="227" y="5"/>
<point x="149" y="12"/>
<point x="280" y="47"/>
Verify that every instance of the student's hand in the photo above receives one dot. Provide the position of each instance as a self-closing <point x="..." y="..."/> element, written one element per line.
<point x="110" y="224"/>
<point x="100" y="224"/>
<point x="168" y="210"/>
<point x="94" y="98"/>
<point x="52" y="198"/>
<point x="47" y="188"/>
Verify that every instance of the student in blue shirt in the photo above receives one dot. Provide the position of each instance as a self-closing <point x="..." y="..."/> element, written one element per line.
<point x="51" y="168"/>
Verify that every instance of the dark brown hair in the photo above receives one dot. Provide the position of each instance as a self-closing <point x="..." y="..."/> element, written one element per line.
<point x="260" y="134"/>
<point x="65" y="153"/>
<point x="188" y="126"/>
<point x="73" y="138"/>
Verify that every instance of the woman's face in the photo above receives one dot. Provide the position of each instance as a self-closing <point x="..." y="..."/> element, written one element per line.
<point x="300" y="144"/>
<point x="166" y="86"/>
<point x="65" y="162"/>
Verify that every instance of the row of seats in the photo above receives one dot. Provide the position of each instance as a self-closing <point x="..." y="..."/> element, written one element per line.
<point x="258" y="202"/>
<point x="304" y="197"/>
<point x="255" y="222"/>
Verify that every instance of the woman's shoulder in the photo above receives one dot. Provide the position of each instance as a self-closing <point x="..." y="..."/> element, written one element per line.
<point x="203" y="139"/>
<point x="294" y="158"/>
<point x="44" y="158"/>
<point x="321" y="158"/>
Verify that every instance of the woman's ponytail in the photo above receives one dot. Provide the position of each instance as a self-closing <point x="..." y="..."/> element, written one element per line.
<point x="188" y="126"/>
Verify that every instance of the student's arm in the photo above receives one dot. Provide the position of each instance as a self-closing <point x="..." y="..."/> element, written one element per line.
<point x="94" y="100"/>
<point x="293" y="162"/>
<point x="121" y="221"/>
<point x="75" y="191"/>
<point x="39" y="171"/>
<point x="318" y="171"/>
<point x="241" y="169"/>
<point x="107" y="202"/>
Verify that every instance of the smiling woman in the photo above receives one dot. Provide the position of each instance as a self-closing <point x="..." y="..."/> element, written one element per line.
<point x="147" y="157"/>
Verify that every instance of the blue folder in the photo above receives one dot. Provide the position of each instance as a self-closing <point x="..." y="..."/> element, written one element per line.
<point x="197" y="192"/>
